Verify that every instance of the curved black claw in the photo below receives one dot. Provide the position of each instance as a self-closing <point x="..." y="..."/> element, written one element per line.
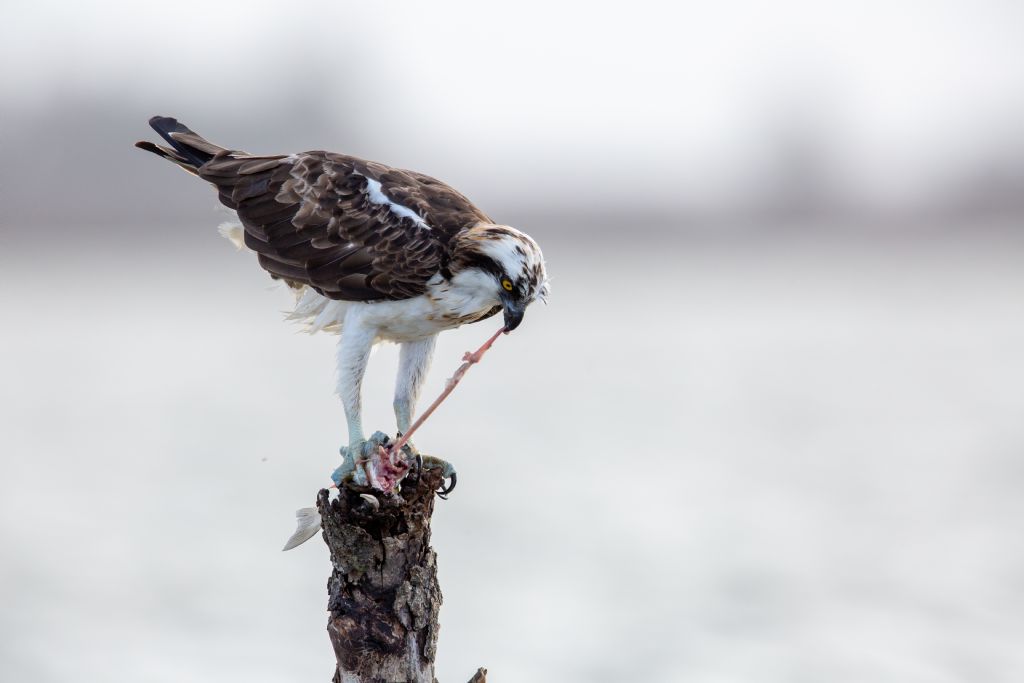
<point x="443" y="492"/>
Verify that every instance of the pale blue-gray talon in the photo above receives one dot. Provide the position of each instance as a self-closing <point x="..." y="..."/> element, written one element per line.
<point x="345" y="469"/>
<point x="355" y="458"/>
<point x="447" y="471"/>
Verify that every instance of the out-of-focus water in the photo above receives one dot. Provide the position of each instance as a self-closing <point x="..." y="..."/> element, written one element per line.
<point x="787" y="460"/>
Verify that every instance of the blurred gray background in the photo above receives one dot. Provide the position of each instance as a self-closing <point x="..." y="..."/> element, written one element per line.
<point x="768" y="429"/>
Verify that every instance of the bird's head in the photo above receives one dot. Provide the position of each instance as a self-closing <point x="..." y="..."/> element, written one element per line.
<point x="508" y="264"/>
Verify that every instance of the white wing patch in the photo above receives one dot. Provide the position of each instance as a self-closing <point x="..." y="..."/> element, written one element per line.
<point x="377" y="196"/>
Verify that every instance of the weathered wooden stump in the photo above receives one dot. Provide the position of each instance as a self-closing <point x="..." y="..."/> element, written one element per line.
<point x="384" y="596"/>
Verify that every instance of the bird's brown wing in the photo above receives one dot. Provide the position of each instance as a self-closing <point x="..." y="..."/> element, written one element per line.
<point x="319" y="219"/>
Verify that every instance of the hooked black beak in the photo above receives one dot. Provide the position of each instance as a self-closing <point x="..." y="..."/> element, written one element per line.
<point x="513" y="312"/>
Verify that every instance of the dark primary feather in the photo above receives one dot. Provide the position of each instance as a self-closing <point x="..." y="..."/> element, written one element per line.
<point x="187" y="143"/>
<point x="310" y="219"/>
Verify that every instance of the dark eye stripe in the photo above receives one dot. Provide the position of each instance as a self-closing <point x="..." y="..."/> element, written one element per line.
<point x="483" y="262"/>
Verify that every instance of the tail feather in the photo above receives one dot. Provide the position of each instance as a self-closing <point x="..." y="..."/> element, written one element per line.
<point x="188" y="149"/>
<point x="168" y="154"/>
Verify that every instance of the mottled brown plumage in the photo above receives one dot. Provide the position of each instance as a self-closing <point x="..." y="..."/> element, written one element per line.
<point x="313" y="218"/>
<point x="374" y="253"/>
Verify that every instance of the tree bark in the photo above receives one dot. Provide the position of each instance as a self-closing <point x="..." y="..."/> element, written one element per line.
<point x="384" y="596"/>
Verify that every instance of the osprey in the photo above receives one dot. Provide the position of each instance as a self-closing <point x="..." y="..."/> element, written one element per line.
<point x="372" y="252"/>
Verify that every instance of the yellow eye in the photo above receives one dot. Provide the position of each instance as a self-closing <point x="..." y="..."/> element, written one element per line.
<point x="507" y="284"/>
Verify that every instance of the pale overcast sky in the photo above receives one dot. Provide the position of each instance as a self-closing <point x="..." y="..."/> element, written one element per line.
<point x="648" y="99"/>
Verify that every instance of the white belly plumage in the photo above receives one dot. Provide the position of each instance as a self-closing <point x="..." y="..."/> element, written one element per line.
<point x="446" y="305"/>
<point x="395" y="321"/>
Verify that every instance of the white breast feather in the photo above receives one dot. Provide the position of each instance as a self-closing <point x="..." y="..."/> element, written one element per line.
<point x="446" y="305"/>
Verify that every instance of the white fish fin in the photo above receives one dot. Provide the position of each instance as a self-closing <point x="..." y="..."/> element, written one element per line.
<point x="308" y="524"/>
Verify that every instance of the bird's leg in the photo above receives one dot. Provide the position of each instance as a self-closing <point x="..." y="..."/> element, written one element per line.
<point x="413" y="365"/>
<point x="353" y="355"/>
<point x="469" y="359"/>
